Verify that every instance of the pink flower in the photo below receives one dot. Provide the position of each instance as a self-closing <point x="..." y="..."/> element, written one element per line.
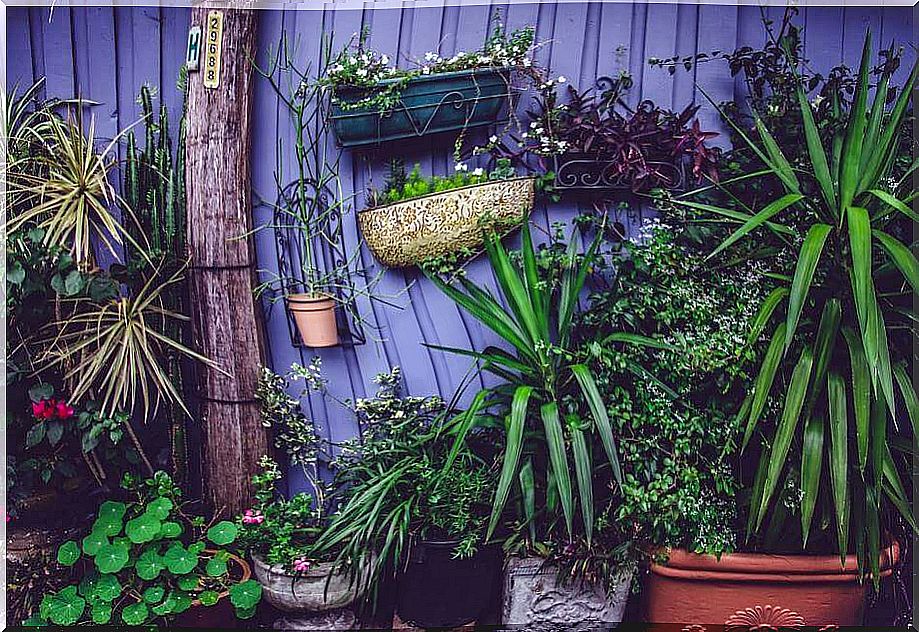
<point x="63" y="411"/>
<point x="43" y="409"/>
<point x="253" y="516"/>
<point x="301" y="565"/>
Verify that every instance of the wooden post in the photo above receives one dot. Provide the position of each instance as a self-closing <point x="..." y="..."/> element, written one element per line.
<point x="226" y="321"/>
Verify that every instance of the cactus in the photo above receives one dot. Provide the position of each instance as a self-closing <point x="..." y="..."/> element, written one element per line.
<point x="154" y="190"/>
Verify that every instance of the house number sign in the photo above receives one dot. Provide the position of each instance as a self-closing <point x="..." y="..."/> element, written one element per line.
<point x="193" y="50"/>
<point x="212" y="40"/>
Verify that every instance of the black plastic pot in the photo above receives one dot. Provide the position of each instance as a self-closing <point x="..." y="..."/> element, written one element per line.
<point x="438" y="591"/>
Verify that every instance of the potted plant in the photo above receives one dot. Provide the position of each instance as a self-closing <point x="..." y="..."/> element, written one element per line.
<point x="553" y="417"/>
<point x="146" y="560"/>
<point x="413" y="508"/>
<point x="594" y="141"/>
<point x="318" y="278"/>
<point x="374" y="102"/>
<point x="824" y="422"/>
<point x="414" y="219"/>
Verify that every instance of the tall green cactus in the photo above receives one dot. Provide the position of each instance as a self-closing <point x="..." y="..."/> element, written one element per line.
<point x="154" y="189"/>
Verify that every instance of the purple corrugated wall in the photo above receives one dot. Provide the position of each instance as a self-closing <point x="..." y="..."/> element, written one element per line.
<point x="105" y="54"/>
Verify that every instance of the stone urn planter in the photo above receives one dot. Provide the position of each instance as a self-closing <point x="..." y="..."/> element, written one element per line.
<point x="535" y="595"/>
<point x="746" y="590"/>
<point x="319" y="589"/>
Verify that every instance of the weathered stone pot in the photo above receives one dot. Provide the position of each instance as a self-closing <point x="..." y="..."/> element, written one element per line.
<point x="319" y="589"/>
<point x="745" y="590"/>
<point x="535" y="595"/>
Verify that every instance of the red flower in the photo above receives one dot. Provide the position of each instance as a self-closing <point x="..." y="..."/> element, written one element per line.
<point x="63" y="411"/>
<point x="43" y="409"/>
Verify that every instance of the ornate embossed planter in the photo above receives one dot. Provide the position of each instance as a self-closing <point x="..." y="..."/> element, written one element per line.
<point x="428" y="104"/>
<point x="407" y="233"/>
<point x="746" y="590"/>
<point x="533" y="595"/>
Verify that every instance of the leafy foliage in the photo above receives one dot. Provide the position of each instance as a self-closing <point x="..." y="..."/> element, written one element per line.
<point x="401" y="186"/>
<point x="147" y="560"/>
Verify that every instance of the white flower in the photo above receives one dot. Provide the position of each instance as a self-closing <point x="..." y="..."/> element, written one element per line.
<point x="384" y="59"/>
<point x="562" y="79"/>
<point x="493" y="139"/>
<point x="429" y="56"/>
<point x="479" y="171"/>
<point x="361" y="72"/>
<point x="461" y="166"/>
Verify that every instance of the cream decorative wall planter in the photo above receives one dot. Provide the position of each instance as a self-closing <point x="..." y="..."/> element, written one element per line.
<point x="407" y="233"/>
<point x="535" y="595"/>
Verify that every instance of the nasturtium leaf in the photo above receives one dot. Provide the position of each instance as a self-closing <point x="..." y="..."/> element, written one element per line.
<point x="170" y="530"/>
<point x="113" y="510"/>
<point x="223" y="533"/>
<point x="111" y="558"/>
<point x="180" y="561"/>
<point x="244" y="613"/>
<point x="102" y="613"/>
<point x="68" y="553"/>
<point x="188" y="582"/>
<point x="44" y="607"/>
<point x="106" y="588"/>
<point x="160" y="508"/>
<point x="93" y="542"/>
<point x="245" y="595"/>
<point x="216" y="567"/>
<point x="165" y="608"/>
<point x="149" y="565"/>
<point x="144" y="528"/>
<point x="135" y="614"/>
<point x="183" y="602"/>
<point x="196" y="547"/>
<point x="66" y="607"/>
<point x="209" y="597"/>
<point x="154" y="594"/>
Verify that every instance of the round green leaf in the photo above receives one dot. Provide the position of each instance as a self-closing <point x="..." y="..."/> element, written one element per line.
<point x="66" y="607"/>
<point x="135" y="614"/>
<point x="102" y="613"/>
<point x="165" y="608"/>
<point x="112" y="510"/>
<point x="68" y="553"/>
<point x="216" y="567"/>
<point x="149" y="565"/>
<point x="209" y="597"/>
<point x="93" y="542"/>
<point x="188" y="582"/>
<point x="244" y="613"/>
<point x="106" y="588"/>
<point x="160" y="508"/>
<point x="179" y="561"/>
<point x="196" y="547"/>
<point x="143" y="529"/>
<point x="183" y="602"/>
<point x="154" y="594"/>
<point x="111" y="558"/>
<point x="245" y="595"/>
<point x="223" y="533"/>
<point x="170" y="530"/>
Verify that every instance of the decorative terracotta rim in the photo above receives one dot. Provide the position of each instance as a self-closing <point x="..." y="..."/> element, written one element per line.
<point x="760" y="567"/>
<point x="446" y="193"/>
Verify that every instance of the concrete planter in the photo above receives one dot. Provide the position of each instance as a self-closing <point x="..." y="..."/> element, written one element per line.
<point x="318" y="590"/>
<point x="534" y="595"/>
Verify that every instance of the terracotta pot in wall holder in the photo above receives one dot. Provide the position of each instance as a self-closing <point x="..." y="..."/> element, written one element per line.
<point x="744" y="591"/>
<point x="315" y="318"/>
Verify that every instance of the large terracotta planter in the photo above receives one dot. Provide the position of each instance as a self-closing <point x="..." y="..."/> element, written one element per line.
<point x="745" y="590"/>
<point x="315" y="318"/>
<point x="319" y="589"/>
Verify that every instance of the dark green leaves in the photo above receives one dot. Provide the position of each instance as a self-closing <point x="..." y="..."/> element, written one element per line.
<point x="808" y="258"/>
<point x="557" y="457"/>
<point x="68" y="553"/>
<point x="516" y="422"/>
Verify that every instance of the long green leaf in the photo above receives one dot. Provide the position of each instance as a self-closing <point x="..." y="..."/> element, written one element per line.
<point x="764" y="315"/>
<point x="815" y="150"/>
<point x="901" y="256"/>
<point x="861" y="394"/>
<point x="808" y="258"/>
<point x="557" y="456"/>
<point x="764" y="380"/>
<point x="582" y="470"/>
<point x="514" y="289"/>
<point x="909" y="396"/>
<point x="528" y="492"/>
<point x="516" y="422"/>
<point x="768" y="212"/>
<point x="862" y="284"/>
<point x="600" y="416"/>
<point x="778" y="161"/>
<point x="811" y="467"/>
<point x="895" y="203"/>
<point x="794" y="401"/>
<point x="538" y="296"/>
<point x="851" y="159"/>
<point x="839" y="456"/>
<point x="825" y="342"/>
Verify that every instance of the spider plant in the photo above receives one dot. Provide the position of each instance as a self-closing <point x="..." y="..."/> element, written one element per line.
<point x="840" y="326"/>
<point x="68" y="187"/>
<point x="553" y="405"/>
<point x="114" y="349"/>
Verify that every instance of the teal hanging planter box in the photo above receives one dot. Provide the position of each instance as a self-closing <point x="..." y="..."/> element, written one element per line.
<point x="427" y="104"/>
